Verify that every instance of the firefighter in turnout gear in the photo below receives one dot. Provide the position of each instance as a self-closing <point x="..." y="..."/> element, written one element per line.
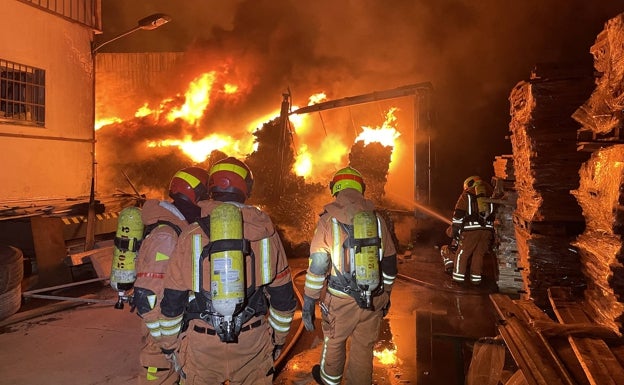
<point x="233" y="263"/>
<point x="164" y="221"/>
<point x="353" y="261"/>
<point x="472" y="229"/>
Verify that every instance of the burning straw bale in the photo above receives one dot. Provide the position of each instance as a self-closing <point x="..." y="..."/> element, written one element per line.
<point x="373" y="162"/>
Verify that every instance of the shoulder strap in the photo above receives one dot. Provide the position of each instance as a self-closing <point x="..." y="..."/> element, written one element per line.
<point x="149" y="228"/>
<point x="204" y="223"/>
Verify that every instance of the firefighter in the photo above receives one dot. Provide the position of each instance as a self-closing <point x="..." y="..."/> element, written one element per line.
<point x="356" y="287"/>
<point x="163" y="221"/>
<point x="233" y="263"/>
<point x="472" y="228"/>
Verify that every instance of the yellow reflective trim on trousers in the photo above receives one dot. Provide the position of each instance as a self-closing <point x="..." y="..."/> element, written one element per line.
<point x="337" y="246"/>
<point x="190" y="179"/>
<point x="229" y="167"/>
<point x="196" y="250"/>
<point x="314" y="282"/>
<point x="333" y="380"/>
<point x="280" y="327"/>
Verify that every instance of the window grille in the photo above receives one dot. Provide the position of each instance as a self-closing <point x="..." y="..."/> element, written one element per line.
<point x="22" y="94"/>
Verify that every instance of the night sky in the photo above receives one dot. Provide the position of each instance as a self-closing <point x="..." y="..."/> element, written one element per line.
<point x="473" y="52"/>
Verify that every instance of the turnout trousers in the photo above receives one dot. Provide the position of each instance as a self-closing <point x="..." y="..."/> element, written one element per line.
<point x="474" y="244"/>
<point x="347" y="321"/>
<point x="156" y="369"/>
<point x="208" y="361"/>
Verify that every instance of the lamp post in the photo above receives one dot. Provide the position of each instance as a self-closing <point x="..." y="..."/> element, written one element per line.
<point x="148" y="23"/>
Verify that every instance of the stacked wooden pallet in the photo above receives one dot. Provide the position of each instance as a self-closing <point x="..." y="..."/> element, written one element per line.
<point x="601" y="190"/>
<point x="601" y="194"/>
<point x="601" y="114"/>
<point x="546" y="163"/>
<point x="509" y="278"/>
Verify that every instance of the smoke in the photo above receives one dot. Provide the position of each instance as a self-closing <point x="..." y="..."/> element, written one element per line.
<point x="472" y="52"/>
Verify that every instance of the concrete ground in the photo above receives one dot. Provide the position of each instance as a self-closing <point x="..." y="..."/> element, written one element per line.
<point x="426" y="338"/>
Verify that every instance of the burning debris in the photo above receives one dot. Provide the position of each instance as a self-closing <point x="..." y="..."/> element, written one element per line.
<point x="290" y="183"/>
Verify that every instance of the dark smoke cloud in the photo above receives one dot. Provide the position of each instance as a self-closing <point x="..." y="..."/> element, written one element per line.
<point x="473" y="52"/>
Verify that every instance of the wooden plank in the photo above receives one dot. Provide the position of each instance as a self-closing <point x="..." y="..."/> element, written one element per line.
<point x="598" y="361"/>
<point x="558" y="344"/>
<point x="532" y="354"/>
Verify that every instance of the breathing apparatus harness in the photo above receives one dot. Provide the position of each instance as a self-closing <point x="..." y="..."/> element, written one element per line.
<point x="202" y="306"/>
<point x="347" y="282"/>
<point x="133" y="245"/>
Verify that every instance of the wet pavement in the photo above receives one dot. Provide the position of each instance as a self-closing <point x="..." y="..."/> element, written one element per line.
<point x="426" y="338"/>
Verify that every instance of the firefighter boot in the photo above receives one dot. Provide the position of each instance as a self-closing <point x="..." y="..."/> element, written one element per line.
<point x="316" y="373"/>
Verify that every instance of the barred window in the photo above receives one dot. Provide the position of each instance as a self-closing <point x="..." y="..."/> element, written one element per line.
<point x="22" y="94"/>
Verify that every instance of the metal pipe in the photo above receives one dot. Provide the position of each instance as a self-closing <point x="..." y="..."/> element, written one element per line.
<point x="29" y="293"/>
<point x="73" y="299"/>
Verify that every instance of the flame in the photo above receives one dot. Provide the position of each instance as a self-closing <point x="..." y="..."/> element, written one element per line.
<point x="386" y="134"/>
<point x="143" y="111"/>
<point x="199" y="150"/>
<point x="317" y="152"/>
<point x="386" y="356"/>
<point x="197" y="98"/>
<point x="303" y="162"/>
<point x="230" y="88"/>
<point x="317" y="98"/>
<point x="105" y="122"/>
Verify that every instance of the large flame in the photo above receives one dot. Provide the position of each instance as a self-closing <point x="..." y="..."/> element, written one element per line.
<point x="318" y="152"/>
<point x="197" y="98"/>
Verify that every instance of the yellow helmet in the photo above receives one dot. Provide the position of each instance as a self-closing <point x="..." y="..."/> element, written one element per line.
<point x="471" y="181"/>
<point x="347" y="177"/>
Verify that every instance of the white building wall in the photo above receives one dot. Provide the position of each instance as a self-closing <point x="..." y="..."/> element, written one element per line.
<point x="54" y="161"/>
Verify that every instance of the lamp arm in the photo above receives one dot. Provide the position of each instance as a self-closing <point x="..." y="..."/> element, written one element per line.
<point x="97" y="48"/>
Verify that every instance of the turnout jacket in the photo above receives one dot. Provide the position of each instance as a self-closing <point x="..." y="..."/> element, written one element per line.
<point x="326" y="247"/>
<point x="269" y="266"/>
<point x="165" y="222"/>
<point x="473" y="211"/>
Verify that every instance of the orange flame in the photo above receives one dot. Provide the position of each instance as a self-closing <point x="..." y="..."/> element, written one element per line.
<point x="197" y="97"/>
<point x="312" y="161"/>
<point x="199" y="150"/>
<point x="104" y="122"/>
<point x="386" y="356"/>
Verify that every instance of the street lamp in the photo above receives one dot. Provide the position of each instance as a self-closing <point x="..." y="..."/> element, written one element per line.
<point x="148" y="23"/>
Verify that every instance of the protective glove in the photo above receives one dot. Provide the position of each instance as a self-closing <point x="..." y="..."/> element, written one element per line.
<point x="453" y="246"/>
<point x="307" y="312"/>
<point x="386" y="309"/>
<point x="277" y="351"/>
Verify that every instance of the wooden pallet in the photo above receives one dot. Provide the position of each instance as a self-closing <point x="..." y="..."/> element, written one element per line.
<point x="598" y="361"/>
<point x="571" y="351"/>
